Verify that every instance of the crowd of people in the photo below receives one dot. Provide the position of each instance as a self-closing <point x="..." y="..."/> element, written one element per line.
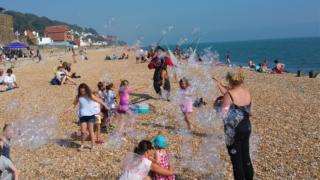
<point x="279" y="68"/>
<point x="104" y="109"/>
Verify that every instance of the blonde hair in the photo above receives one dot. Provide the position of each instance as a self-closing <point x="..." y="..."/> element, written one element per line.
<point x="235" y="79"/>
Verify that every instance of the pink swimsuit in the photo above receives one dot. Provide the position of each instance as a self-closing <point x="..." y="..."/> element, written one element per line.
<point x="163" y="161"/>
<point x="124" y="98"/>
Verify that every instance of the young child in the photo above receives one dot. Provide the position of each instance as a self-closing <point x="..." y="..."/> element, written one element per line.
<point x="87" y="112"/>
<point x="110" y="100"/>
<point x="124" y="95"/>
<point x="186" y="103"/>
<point x="101" y="90"/>
<point x="161" y="156"/>
<point x="10" y="80"/>
<point x="98" y="120"/>
<point x="7" y="135"/>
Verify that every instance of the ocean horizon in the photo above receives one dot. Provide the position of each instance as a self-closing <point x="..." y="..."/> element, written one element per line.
<point x="296" y="53"/>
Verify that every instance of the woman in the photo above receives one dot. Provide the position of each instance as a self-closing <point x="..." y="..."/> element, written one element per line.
<point x="87" y="112"/>
<point x="236" y="110"/>
<point x="137" y="167"/>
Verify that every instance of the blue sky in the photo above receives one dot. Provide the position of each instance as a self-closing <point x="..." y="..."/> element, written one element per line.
<point x="211" y="20"/>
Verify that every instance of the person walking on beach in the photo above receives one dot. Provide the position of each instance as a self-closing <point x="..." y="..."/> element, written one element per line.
<point x="236" y="111"/>
<point x="87" y="112"/>
<point x="160" y="77"/>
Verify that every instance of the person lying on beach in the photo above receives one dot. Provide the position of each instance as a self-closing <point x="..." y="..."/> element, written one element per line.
<point x="61" y="76"/>
<point x="7" y="169"/>
<point x="279" y="67"/>
<point x="10" y="81"/>
<point x="142" y="162"/>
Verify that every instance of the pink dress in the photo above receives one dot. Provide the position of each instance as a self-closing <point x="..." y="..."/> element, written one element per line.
<point x="186" y="103"/>
<point x="124" y="98"/>
<point x="163" y="161"/>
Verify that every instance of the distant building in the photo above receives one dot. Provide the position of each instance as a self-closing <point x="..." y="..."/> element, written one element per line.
<point x="6" y="29"/>
<point x="59" y="33"/>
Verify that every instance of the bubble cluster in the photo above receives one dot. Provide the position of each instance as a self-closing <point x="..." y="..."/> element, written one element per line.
<point x="35" y="131"/>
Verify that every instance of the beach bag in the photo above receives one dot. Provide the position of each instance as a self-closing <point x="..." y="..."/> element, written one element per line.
<point x="55" y="81"/>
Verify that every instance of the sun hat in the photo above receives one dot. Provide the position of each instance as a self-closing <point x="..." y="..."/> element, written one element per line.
<point x="160" y="142"/>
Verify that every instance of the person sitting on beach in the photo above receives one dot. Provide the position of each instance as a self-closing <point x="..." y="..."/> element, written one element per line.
<point x="162" y="156"/>
<point x="279" y="67"/>
<point x="7" y="169"/>
<point x="2" y="75"/>
<point x="67" y="68"/>
<point x="10" y="80"/>
<point x="61" y="76"/>
<point x="251" y="64"/>
<point x="142" y="163"/>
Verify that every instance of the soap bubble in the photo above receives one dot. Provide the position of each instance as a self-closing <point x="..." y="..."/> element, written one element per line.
<point x="35" y="131"/>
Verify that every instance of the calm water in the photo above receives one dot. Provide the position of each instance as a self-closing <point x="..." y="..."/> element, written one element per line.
<point x="297" y="54"/>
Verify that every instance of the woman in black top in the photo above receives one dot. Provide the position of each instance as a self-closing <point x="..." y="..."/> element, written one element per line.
<point x="236" y="111"/>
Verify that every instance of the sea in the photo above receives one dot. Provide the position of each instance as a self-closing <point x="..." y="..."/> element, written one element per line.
<point x="296" y="53"/>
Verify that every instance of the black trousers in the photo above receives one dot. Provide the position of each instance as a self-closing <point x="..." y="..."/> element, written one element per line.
<point x="157" y="86"/>
<point x="240" y="155"/>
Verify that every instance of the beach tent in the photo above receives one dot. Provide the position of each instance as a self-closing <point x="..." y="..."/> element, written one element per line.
<point x="61" y="44"/>
<point x="16" y="45"/>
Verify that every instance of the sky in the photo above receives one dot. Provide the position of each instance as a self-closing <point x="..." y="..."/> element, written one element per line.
<point x="181" y="20"/>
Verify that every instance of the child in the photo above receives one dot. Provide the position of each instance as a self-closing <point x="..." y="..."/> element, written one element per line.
<point x="61" y="76"/>
<point x="7" y="169"/>
<point x="87" y="112"/>
<point x="7" y="135"/>
<point x="110" y="100"/>
<point x="101" y="90"/>
<point x="161" y="156"/>
<point x="10" y="80"/>
<point x="186" y="104"/>
<point x="98" y="119"/>
<point x="142" y="162"/>
<point x="124" y="95"/>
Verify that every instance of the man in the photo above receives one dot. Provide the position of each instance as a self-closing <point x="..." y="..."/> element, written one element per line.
<point x="160" y="76"/>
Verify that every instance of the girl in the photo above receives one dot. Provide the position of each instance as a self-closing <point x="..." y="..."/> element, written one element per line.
<point x="7" y="135"/>
<point x="186" y="104"/>
<point x="110" y="100"/>
<point x="87" y="112"/>
<point x="161" y="156"/>
<point x="124" y="94"/>
<point x="142" y="163"/>
<point x="236" y="111"/>
<point x="98" y="116"/>
<point x="101" y="90"/>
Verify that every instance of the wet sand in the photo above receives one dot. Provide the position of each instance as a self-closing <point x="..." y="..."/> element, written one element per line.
<point x="286" y="122"/>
